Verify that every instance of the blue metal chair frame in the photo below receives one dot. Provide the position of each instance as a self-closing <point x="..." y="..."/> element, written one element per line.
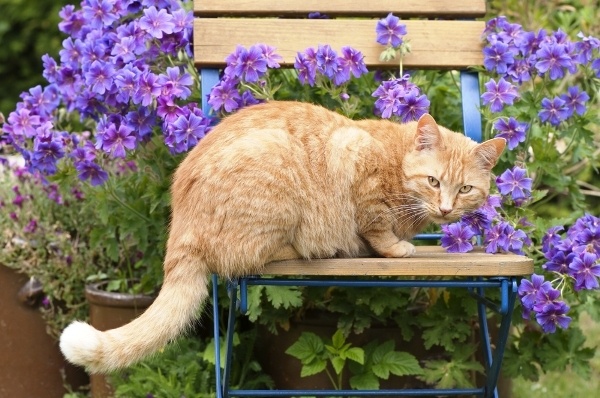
<point x="507" y="287"/>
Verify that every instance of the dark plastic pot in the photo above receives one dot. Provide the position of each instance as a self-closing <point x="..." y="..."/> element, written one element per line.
<point x="109" y="310"/>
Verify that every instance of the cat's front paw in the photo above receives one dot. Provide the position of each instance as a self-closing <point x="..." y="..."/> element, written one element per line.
<point x="400" y="249"/>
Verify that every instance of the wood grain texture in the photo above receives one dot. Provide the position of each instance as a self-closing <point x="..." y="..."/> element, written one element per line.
<point x="379" y="8"/>
<point x="428" y="261"/>
<point x="434" y="44"/>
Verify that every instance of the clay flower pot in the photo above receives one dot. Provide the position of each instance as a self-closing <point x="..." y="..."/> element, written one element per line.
<point x="109" y="310"/>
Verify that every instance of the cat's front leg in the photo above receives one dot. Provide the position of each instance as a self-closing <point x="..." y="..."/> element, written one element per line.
<point x="388" y="244"/>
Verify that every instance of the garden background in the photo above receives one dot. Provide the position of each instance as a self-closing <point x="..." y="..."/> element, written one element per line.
<point x="28" y="31"/>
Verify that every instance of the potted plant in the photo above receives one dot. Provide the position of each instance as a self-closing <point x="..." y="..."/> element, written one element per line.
<point x="110" y="126"/>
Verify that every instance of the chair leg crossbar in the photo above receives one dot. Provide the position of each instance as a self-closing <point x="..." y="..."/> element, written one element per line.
<point x="492" y="358"/>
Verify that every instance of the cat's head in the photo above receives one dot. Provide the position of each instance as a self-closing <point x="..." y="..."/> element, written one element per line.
<point x="448" y="172"/>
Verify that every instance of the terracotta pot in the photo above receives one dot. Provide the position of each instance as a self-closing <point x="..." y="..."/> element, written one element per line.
<point x="109" y="310"/>
<point x="32" y="364"/>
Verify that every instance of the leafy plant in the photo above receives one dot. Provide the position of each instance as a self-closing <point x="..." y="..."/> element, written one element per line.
<point x="179" y="371"/>
<point x="368" y="365"/>
<point x="186" y="369"/>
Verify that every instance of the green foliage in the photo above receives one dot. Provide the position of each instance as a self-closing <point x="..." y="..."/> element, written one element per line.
<point x="457" y="372"/>
<point x="27" y="31"/>
<point x="367" y="366"/>
<point x="45" y="231"/>
<point x="178" y="371"/>
<point x="186" y="369"/>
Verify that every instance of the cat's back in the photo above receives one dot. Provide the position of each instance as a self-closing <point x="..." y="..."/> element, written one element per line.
<point x="278" y="130"/>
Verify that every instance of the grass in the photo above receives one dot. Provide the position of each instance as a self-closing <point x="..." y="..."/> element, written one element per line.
<point x="566" y="384"/>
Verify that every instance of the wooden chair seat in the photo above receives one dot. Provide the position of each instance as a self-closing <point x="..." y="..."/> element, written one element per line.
<point x="428" y="261"/>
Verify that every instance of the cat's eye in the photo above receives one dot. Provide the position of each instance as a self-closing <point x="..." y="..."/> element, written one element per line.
<point x="465" y="188"/>
<point x="433" y="181"/>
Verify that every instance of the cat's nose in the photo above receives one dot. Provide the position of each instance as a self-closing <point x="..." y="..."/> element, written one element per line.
<point x="445" y="211"/>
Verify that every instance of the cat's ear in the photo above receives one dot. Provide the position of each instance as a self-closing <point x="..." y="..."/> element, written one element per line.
<point x="487" y="153"/>
<point x="428" y="134"/>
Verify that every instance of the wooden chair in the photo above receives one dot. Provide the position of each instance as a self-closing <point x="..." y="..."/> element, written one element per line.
<point x="444" y="37"/>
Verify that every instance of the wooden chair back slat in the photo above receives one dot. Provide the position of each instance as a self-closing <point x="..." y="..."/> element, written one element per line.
<point x="334" y="8"/>
<point x="435" y="44"/>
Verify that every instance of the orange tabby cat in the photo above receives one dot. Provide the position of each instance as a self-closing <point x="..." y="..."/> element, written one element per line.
<point x="289" y="180"/>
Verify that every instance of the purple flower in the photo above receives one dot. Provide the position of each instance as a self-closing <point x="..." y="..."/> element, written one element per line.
<point x="515" y="239"/>
<point x="559" y="262"/>
<point x="147" y="89"/>
<point x="224" y="95"/>
<point x="91" y="171"/>
<point x="553" y="58"/>
<point x="528" y="291"/>
<point x="585" y="48"/>
<point x="400" y="97"/>
<point x="116" y="141"/>
<point x="551" y="237"/>
<point x="31" y="227"/>
<point x="457" y="237"/>
<point x="191" y="129"/>
<point x="499" y="94"/>
<point x="251" y="64"/>
<point x="100" y="77"/>
<point x="354" y="60"/>
<point x="271" y="57"/>
<point x="156" y="22"/>
<point x="511" y="130"/>
<point x="124" y="49"/>
<point x="99" y="13"/>
<point x="390" y="31"/>
<point x="413" y="106"/>
<point x="45" y="155"/>
<point x="554" y="111"/>
<point x="496" y="238"/>
<point x="498" y="56"/>
<point x="126" y="80"/>
<point x="23" y="122"/>
<point x="44" y="101"/>
<point x="553" y="314"/>
<point x="306" y="65"/>
<point x="141" y="120"/>
<point x="515" y="183"/>
<point x="585" y="269"/>
<point x="327" y="61"/>
<point x="477" y="220"/>
<point x="72" y="21"/>
<point x="575" y="100"/>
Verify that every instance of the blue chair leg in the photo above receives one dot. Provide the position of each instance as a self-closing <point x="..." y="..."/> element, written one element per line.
<point x="217" y="336"/>
<point x="471" y="101"/>
<point x="232" y="289"/>
<point x="208" y="79"/>
<point x="509" y="289"/>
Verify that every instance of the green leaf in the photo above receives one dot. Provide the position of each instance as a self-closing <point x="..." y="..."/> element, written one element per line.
<point x="397" y="363"/>
<point x="308" y="347"/>
<point x="313" y="368"/>
<point x="338" y="364"/>
<point x="283" y="296"/>
<point x="454" y="373"/>
<point x="338" y="340"/>
<point x="364" y="381"/>
<point x="254" y="300"/>
<point x="356" y="354"/>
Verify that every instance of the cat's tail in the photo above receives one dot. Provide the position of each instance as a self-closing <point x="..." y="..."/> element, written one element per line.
<point x="184" y="290"/>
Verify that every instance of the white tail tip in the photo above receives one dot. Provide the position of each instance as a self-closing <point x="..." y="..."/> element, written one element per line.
<point x="79" y="343"/>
